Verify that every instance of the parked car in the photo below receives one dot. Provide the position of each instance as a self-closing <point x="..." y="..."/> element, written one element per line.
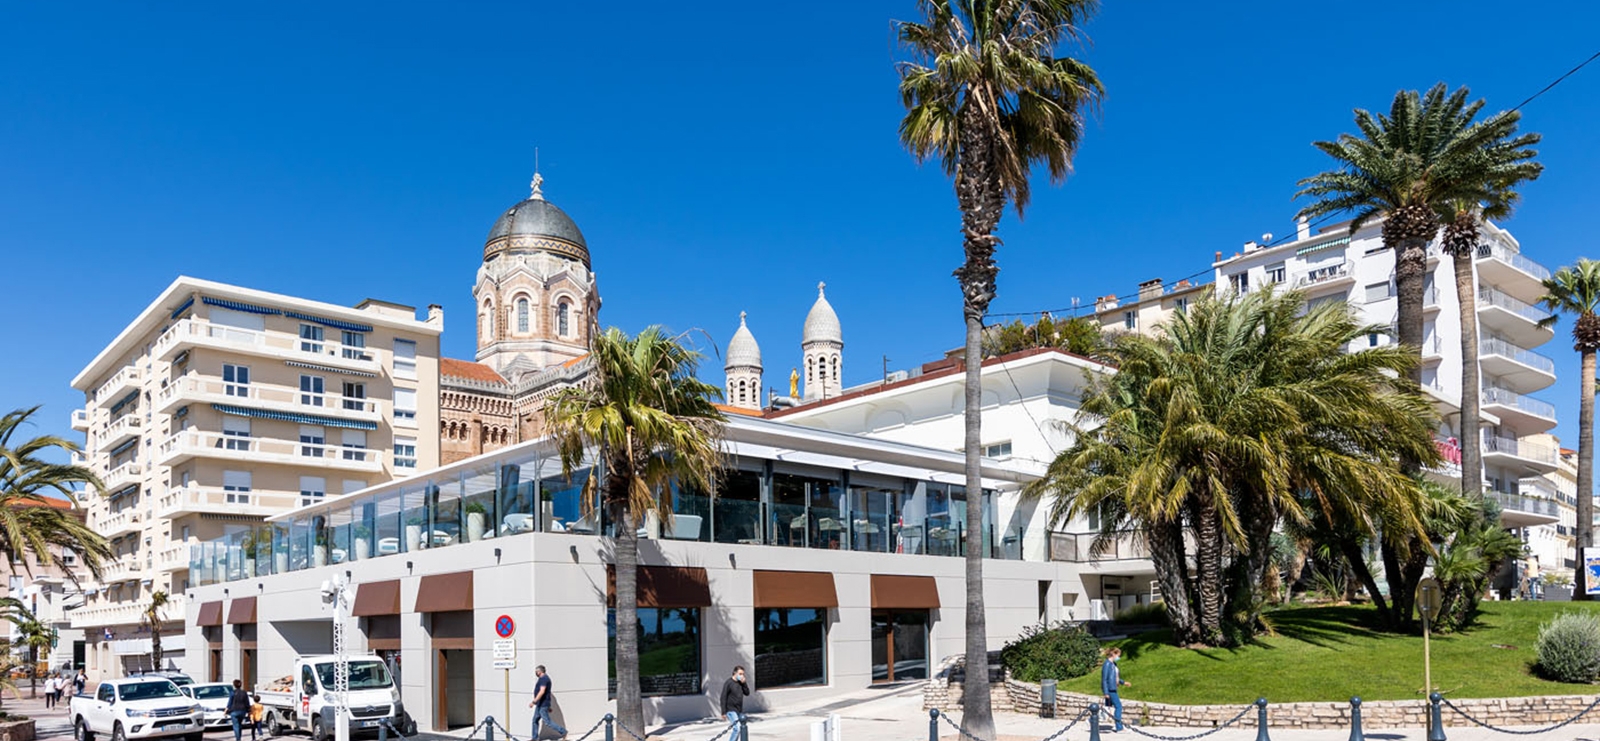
<point x="300" y="700"/>
<point x="213" y="696"/>
<point x="177" y="678"/>
<point x="136" y="708"/>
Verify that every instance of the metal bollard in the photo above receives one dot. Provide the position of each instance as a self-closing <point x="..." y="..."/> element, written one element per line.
<point x="933" y="725"/>
<point x="383" y="730"/>
<point x="744" y="727"/>
<point x="1436" y="719"/>
<point x="1094" y="721"/>
<point x="488" y="728"/>
<point x="1355" y="720"/>
<point x="1261" y="720"/>
<point x="611" y="735"/>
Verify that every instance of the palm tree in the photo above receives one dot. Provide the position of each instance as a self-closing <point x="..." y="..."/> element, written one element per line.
<point x="1575" y="290"/>
<point x="647" y="422"/>
<point x="34" y="635"/>
<point x="27" y="530"/>
<point x="987" y="97"/>
<point x="152" y="618"/>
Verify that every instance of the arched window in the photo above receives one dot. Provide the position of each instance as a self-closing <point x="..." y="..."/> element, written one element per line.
<point x="836" y="367"/>
<point x="488" y="321"/>
<point x="522" y="315"/>
<point x="741" y="392"/>
<point x="562" y="311"/>
<point x="811" y="369"/>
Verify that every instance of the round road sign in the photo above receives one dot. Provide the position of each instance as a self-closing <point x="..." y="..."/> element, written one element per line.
<point x="504" y="626"/>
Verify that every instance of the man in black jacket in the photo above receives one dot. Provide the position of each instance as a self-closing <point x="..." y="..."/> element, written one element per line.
<point x="238" y="708"/>
<point x="733" y="693"/>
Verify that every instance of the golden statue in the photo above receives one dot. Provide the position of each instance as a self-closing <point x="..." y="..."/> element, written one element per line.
<point x="794" y="383"/>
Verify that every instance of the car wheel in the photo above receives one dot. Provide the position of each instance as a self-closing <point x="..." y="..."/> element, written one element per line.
<point x="197" y="736"/>
<point x="80" y="731"/>
<point x="318" y="733"/>
<point x="117" y="734"/>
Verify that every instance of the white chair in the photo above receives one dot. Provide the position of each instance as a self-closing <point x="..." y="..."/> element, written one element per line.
<point x="685" y="527"/>
<point x="387" y="546"/>
<point x="518" y="523"/>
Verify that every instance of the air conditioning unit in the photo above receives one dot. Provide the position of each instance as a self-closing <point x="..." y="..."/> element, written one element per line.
<point x="896" y="376"/>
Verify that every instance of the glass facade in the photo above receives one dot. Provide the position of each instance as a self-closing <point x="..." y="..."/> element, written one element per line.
<point x="669" y="651"/>
<point x="791" y="647"/>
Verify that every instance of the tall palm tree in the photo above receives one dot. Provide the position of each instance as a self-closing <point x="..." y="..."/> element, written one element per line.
<point x="34" y="635"/>
<point x="1575" y="290"/>
<point x="645" y="421"/>
<point x="986" y="95"/>
<point x="152" y="618"/>
<point x="30" y="533"/>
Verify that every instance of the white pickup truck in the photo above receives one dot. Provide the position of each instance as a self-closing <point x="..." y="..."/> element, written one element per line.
<point x="302" y="700"/>
<point x="135" y="708"/>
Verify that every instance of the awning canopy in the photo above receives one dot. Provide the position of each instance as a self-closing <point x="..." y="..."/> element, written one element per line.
<point x="305" y="419"/>
<point x="242" y="611"/>
<point x="335" y="323"/>
<point x="904" y="592"/>
<point x="794" y="589"/>
<point x="377" y="598"/>
<point x="444" y="592"/>
<point x="665" y="586"/>
<point x="239" y="306"/>
<point x="210" y="614"/>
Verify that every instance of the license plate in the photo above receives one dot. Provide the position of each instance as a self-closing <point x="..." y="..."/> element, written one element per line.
<point x="171" y="724"/>
<point x="369" y="724"/>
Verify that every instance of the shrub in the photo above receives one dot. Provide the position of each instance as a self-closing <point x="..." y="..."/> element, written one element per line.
<point x="1569" y="647"/>
<point x="1061" y="651"/>
<point x="1151" y="613"/>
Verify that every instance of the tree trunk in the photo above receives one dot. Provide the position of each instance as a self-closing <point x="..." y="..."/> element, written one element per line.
<point x="630" y="706"/>
<point x="1208" y="569"/>
<point x="155" y="644"/>
<point x="1585" y="522"/>
<point x="1471" y="387"/>
<point x="982" y="201"/>
<point x="1351" y="551"/>
<point x="1172" y="571"/>
<point x="33" y="671"/>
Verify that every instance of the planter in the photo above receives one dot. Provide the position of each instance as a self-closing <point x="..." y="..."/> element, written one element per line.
<point x="363" y="549"/>
<point x="475" y="526"/>
<point x="319" y="556"/>
<point x="17" y="730"/>
<point x="280" y="563"/>
<point x="413" y="538"/>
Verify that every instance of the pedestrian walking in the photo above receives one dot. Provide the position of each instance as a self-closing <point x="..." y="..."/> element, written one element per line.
<point x="50" y="691"/>
<point x="257" y="712"/>
<point x="543" y="693"/>
<point x="1110" y="680"/>
<point x="733" y="693"/>
<point x="61" y="686"/>
<point x="238" y="709"/>
<point x="79" y="682"/>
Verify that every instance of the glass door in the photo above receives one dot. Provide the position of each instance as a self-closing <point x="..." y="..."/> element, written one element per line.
<point x="899" y="645"/>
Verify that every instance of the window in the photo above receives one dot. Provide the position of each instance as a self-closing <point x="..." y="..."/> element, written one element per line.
<point x="486" y="323"/>
<point x="405" y="452"/>
<point x="405" y="407"/>
<point x="405" y="360"/>
<point x="669" y="651"/>
<point x="311" y="441"/>
<point x="235" y="433"/>
<point x="1379" y="291"/>
<point x="1180" y="305"/>
<point x="311" y="338"/>
<point x="1372" y="339"/>
<point x="236" y="484"/>
<point x="522" y="315"/>
<point x="997" y="450"/>
<point x="1130" y="320"/>
<point x="235" y="380"/>
<point x="355" y="444"/>
<point x="562" y="310"/>
<point x="836" y="367"/>
<point x="352" y="486"/>
<point x="355" y="344"/>
<point x="311" y="390"/>
<point x="791" y="647"/>
<point x="1276" y="273"/>
<point x="312" y="489"/>
<point x="1240" y="282"/>
<point x="355" y="396"/>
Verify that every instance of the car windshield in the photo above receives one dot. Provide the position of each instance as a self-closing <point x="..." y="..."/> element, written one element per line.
<point x="364" y="675"/>
<point x="212" y="692"/>
<point x="149" y="690"/>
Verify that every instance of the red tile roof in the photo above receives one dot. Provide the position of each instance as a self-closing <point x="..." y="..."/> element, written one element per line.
<point x="725" y="409"/>
<point x="49" y="501"/>
<point x="468" y="370"/>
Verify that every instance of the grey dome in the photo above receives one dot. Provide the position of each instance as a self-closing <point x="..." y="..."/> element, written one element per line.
<point x="743" y="352"/>
<point x="536" y="225"/>
<point x="822" y="325"/>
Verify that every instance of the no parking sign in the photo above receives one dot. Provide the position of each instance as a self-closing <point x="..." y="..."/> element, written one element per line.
<point x="504" y="626"/>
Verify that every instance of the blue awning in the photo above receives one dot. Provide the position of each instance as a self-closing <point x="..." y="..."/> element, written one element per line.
<point x="182" y="357"/>
<point x="335" y="323"/>
<point x="185" y="307"/>
<point x="236" y="306"/>
<point x="120" y="448"/>
<point x="134" y="394"/>
<point x="1340" y="242"/>
<point x="329" y="369"/>
<point x="182" y="412"/>
<point x="305" y="419"/>
<point x="125" y="491"/>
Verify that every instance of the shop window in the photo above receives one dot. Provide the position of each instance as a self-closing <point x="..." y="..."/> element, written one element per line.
<point x="791" y="647"/>
<point x="669" y="651"/>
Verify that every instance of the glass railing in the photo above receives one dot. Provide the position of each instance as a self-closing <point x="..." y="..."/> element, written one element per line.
<point x="1527" y="404"/>
<point x="1514" y="259"/>
<point x="1090" y="547"/>
<point x="1519" y="448"/>
<point x="1494" y="346"/>
<point x="1521" y="503"/>
<point x="1498" y="298"/>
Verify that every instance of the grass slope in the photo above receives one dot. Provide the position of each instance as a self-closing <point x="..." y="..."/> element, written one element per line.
<point x="1333" y="653"/>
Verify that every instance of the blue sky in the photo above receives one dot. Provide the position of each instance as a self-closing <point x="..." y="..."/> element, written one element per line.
<point x="719" y="157"/>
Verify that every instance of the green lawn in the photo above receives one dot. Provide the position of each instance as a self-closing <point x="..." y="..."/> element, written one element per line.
<point x="1332" y="653"/>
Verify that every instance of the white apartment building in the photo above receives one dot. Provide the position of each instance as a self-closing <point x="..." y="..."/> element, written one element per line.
<point x="218" y="406"/>
<point x="1336" y="265"/>
<point x="1150" y="308"/>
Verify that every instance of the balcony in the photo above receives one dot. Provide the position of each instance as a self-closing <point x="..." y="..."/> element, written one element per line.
<point x="1517" y="368"/>
<point x="1503" y="314"/>
<point x="1322" y="280"/>
<point x="173" y="558"/>
<point x="119" y="431"/>
<point x="117" y="524"/>
<point x="198" y="444"/>
<point x="114" y="388"/>
<point x="125" y="568"/>
<point x="199" y="389"/>
<point x="1448" y="471"/>
<point x="214" y="500"/>
<point x="81" y="420"/>
<point x="1518" y="454"/>
<point x="1432" y="349"/>
<point x="120" y="477"/>
<point x="190" y="333"/>
<point x="1527" y="414"/>
<point x="1511" y="271"/>
<point x="1519" y="510"/>
<point x="130" y="612"/>
<point x="1431" y="302"/>
<point x="1083" y="548"/>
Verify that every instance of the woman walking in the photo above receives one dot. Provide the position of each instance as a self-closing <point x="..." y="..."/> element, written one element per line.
<point x="1110" y="680"/>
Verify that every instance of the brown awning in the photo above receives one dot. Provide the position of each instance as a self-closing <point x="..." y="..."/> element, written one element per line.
<point x="445" y="592"/>
<point x="378" y="598"/>
<point x="904" y="592"/>
<point x="665" y="586"/>
<point x="383" y="633"/>
<point x="794" y="589"/>
<point x="242" y="611"/>
<point x="210" y="614"/>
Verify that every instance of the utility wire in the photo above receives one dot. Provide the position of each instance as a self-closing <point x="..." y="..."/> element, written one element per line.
<point x="1569" y="73"/>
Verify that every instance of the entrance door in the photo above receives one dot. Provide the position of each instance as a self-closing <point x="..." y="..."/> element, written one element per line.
<point x="216" y="664"/>
<point x="899" y="645"/>
<point x="247" y="668"/>
<point x="454" y="688"/>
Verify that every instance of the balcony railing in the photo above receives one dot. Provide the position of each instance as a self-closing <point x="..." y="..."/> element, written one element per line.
<point x="1495" y="251"/>
<point x="192" y="388"/>
<point x="210" y="499"/>
<point x="1520" y="449"/>
<point x="1527" y="404"/>
<point x="112" y="389"/>
<point x="80" y="420"/>
<point x="1081" y="547"/>
<point x="1521" y="503"/>
<point x="130" y="612"/>
<point x="119" y="430"/>
<point x="257" y="341"/>
<point x="1324" y="275"/>
<point x="127" y="473"/>
<point x="266" y="450"/>
<point x="1495" y="346"/>
<point x="1495" y="297"/>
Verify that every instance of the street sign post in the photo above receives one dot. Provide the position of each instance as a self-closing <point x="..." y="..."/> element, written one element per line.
<point x="505" y="654"/>
<point x="1428" y="597"/>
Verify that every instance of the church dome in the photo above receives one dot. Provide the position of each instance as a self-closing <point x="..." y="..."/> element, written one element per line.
<point x="743" y="352"/>
<point x="822" y="325"/>
<point x="536" y="225"/>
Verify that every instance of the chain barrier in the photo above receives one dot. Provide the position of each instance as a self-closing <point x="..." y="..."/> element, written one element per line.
<point x="1202" y="734"/>
<point x="1516" y="732"/>
<point x="959" y="729"/>
<point x="587" y="733"/>
<point x="629" y="731"/>
<point x="1068" y="727"/>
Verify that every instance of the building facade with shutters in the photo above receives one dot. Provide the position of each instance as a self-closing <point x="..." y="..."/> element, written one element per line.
<point x="218" y="406"/>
